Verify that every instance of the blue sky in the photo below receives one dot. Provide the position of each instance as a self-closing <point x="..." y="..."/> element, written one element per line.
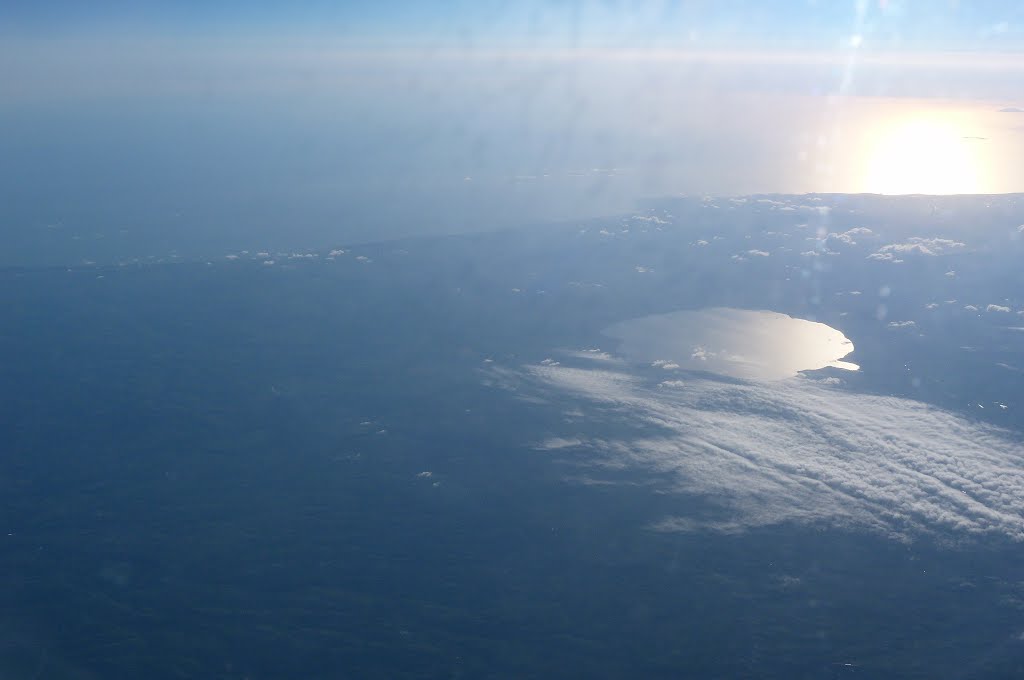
<point x="924" y="24"/>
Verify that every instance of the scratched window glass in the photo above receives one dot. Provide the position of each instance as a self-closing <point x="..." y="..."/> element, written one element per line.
<point x="597" y="339"/>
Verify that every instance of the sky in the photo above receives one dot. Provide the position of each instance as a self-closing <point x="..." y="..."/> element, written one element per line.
<point x="942" y="24"/>
<point x="190" y="127"/>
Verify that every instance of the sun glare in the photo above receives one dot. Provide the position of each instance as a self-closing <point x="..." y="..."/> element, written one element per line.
<point x="923" y="154"/>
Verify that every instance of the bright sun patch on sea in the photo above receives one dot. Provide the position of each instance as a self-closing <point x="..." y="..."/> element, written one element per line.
<point x="924" y="153"/>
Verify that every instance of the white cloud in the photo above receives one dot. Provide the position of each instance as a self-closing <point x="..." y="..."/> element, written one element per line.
<point x="819" y="209"/>
<point x="702" y="354"/>
<point x="970" y="308"/>
<point x="997" y="308"/>
<point x="652" y="219"/>
<point x="850" y="235"/>
<point x="594" y="355"/>
<point x="917" y="246"/>
<point x="336" y="252"/>
<point x="555" y="443"/>
<point x="799" y="451"/>
<point x="758" y="253"/>
<point x="901" y="324"/>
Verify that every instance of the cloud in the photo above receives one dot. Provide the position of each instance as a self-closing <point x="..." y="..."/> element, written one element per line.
<point x="555" y="443"/>
<point x="804" y="452"/>
<point x="970" y="308"/>
<point x="850" y="235"/>
<point x="997" y="308"/>
<point x="702" y="354"/>
<point x="902" y="324"/>
<point x="593" y="354"/>
<point x="649" y="218"/>
<point x="917" y="246"/>
<point x="758" y="253"/>
<point x="1011" y="109"/>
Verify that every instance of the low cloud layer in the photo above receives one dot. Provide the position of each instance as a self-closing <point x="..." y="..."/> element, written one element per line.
<point x="802" y="451"/>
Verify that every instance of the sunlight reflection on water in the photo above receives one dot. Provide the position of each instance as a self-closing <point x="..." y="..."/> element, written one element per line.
<point x="756" y="345"/>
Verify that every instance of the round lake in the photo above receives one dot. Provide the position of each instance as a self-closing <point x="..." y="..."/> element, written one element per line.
<point x="754" y="345"/>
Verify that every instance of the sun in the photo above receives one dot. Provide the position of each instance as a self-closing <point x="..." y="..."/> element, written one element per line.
<point x="923" y="154"/>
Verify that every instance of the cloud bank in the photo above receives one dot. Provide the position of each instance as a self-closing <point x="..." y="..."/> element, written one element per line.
<point x="802" y="451"/>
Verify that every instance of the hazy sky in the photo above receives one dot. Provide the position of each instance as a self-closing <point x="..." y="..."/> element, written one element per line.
<point x="185" y="126"/>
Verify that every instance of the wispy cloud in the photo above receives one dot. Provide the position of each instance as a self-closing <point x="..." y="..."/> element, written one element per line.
<point x="803" y="451"/>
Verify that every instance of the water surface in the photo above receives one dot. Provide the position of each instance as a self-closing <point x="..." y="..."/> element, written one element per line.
<point x="754" y="345"/>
